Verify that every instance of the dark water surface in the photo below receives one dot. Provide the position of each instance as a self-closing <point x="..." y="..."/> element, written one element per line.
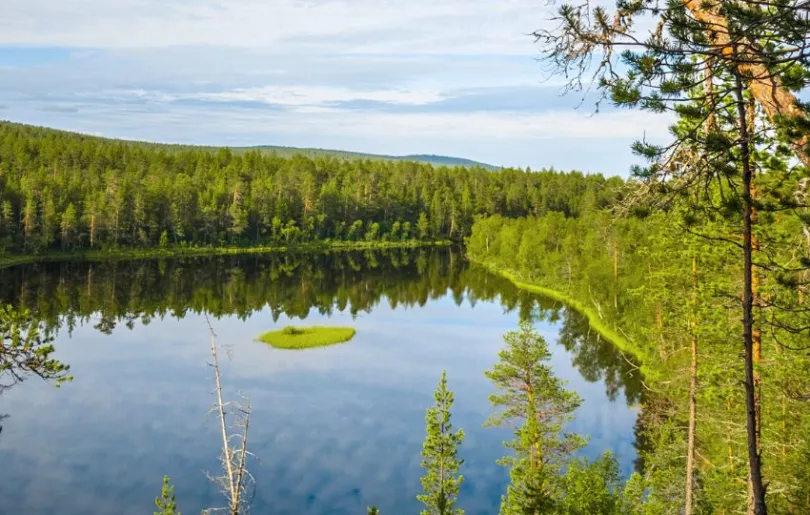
<point x="333" y="429"/>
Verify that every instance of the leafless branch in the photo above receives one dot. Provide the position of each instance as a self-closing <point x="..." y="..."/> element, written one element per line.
<point x="236" y="479"/>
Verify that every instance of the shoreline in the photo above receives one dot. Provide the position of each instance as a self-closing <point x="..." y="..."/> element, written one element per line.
<point x="594" y="321"/>
<point x="178" y="252"/>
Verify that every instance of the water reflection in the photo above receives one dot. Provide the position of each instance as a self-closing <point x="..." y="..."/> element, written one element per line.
<point x="336" y="429"/>
<point x="112" y="293"/>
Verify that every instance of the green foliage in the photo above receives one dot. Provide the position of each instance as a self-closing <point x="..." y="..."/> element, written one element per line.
<point x="183" y="250"/>
<point x="166" y="503"/>
<point x="728" y="69"/>
<point x="80" y="192"/>
<point x="292" y="337"/>
<point x="423" y="226"/>
<point x="633" y="278"/>
<point x="440" y="460"/>
<point x="26" y="350"/>
<point x="533" y="400"/>
<point x="372" y="510"/>
<point x="589" y="488"/>
<point x="291" y="330"/>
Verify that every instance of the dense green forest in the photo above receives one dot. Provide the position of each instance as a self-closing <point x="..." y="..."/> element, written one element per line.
<point x="699" y="265"/>
<point x="635" y="276"/>
<point x="702" y="270"/>
<point x="63" y="191"/>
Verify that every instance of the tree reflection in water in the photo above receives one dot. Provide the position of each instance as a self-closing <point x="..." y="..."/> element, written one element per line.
<point x="59" y="296"/>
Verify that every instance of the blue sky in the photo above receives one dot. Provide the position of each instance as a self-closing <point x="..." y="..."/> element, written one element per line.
<point x="456" y="77"/>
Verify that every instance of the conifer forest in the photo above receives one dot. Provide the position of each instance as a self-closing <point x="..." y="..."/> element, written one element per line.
<point x="683" y="285"/>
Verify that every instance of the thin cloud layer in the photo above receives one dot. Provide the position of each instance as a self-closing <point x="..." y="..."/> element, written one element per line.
<point x="450" y="26"/>
<point x="455" y="77"/>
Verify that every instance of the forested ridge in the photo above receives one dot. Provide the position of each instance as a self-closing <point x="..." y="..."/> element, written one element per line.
<point x="64" y="191"/>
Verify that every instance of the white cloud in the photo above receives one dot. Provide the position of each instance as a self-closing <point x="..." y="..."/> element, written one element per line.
<point x="448" y="26"/>
<point x="564" y="138"/>
<point x="314" y="95"/>
<point x="449" y="77"/>
<point x="471" y="126"/>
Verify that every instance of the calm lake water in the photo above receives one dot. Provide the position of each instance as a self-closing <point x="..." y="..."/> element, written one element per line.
<point x="333" y="429"/>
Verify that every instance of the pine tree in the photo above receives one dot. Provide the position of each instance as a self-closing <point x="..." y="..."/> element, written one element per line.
<point x="439" y="456"/>
<point x="532" y="399"/>
<point x="423" y="226"/>
<point x="729" y="70"/>
<point x="238" y="215"/>
<point x="29" y="218"/>
<point x="166" y="503"/>
<point x="68" y="225"/>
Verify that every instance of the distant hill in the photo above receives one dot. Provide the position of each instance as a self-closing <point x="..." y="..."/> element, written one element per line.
<point x="282" y="151"/>
<point x="422" y="158"/>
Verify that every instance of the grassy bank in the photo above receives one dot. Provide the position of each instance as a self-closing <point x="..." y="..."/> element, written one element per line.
<point x="172" y="252"/>
<point x="292" y="337"/>
<point x="596" y="323"/>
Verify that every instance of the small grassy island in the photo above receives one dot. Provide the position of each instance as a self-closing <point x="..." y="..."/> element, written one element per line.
<point x="292" y="337"/>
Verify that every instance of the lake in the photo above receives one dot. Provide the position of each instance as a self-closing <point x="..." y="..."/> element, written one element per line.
<point x="333" y="429"/>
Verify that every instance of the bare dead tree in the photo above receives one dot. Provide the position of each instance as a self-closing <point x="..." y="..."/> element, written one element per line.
<point x="235" y="481"/>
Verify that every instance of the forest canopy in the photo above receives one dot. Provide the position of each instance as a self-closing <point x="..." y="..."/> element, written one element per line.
<point x="65" y="191"/>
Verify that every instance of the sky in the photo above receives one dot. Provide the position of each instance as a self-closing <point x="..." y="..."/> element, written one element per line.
<point x="449" y="77"/>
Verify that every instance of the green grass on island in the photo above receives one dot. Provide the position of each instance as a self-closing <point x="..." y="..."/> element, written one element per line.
<point x="292" y="337"/>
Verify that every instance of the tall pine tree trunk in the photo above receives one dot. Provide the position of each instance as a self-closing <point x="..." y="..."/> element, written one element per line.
<point x="92" y="230"/>
<point x="729" y="440"/>
<point x="616" y="275"/>
<point x="442" y="500"/>
<point x="755" y="283"/>
<point x="757" y="356"/>
<point x="754" y="458"/>
<point x="690" y="448"/>
<point x="757" y="334"/>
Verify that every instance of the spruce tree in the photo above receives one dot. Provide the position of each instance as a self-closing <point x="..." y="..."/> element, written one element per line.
<point x="440" y="456"/>
<point x="534" y="401"/>
<point x="166" y="503"/>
